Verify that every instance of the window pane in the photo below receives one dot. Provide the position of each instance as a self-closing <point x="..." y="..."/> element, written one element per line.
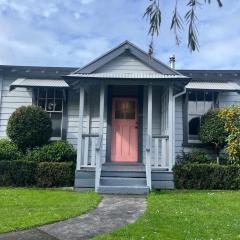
<point x="56" y="124"/>
<point x="194" y="126"/>
<point x="50" y="105"/>
<point x="208" y="96"/>
<point x="200" y="96"/>
<point x="192" y="96"/>
<point x="124" y="109"/>
<point x="192" y="107"/>
<point x="41" y="103"/>
<point x="58" y="105"/>
<point x="58" y="93"/>
<point x="50" y="93"/>
<point x="42" y="93"/>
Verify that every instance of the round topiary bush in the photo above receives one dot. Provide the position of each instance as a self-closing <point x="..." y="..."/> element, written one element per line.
<point x="29" y="126"/>
<point x="212" y="131"/>
<point x="9" y="150"/>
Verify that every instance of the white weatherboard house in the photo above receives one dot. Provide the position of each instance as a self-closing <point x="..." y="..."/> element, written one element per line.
<point x="127" y="115"/>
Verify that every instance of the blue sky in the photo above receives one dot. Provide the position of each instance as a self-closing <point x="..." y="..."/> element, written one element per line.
<point x="73" y="32"/>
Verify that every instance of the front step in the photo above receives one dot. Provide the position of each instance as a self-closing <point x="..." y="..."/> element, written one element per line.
<point x="123" y="178"/>
<point x="120" y="181"/>
<point x="134" y="190"/>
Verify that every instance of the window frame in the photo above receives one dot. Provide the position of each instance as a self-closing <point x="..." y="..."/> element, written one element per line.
<point x="63" y="111"/>
<point x="215" y="101"/>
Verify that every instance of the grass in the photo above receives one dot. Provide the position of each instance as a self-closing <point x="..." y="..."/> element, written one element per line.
<point x="186" y="215"/>
<point x="24" y="208"/>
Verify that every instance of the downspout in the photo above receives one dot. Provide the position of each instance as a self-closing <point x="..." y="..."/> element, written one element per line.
<point x="174" y="126"/>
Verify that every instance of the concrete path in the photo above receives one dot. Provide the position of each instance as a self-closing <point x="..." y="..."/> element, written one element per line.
<point x="112" y="213"/>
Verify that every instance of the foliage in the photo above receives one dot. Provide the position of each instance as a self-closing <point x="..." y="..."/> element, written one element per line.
<point x="17" y="173"/>
<point x="29" y="126"/>
<point x="52" y="174"/>
<point x="154" y="15"/>
<point x="23" y="208"/>
<point x="9" y="150"/>
<point x="57" y="151"/>
<point x="206" y="176"/>
<point x="231" y="117"/>
<point x="193" y="157"/>
<point x="178" y="215"/>
<point x="212" y="131"/>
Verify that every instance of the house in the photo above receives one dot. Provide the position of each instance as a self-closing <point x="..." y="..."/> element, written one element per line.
<point x="127" y="115"/>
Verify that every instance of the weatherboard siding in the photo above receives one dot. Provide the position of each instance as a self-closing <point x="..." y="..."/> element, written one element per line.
<point x="10" y="101"/>
<point x="125" y="63"/>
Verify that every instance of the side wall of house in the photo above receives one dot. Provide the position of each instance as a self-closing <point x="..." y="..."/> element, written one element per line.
<point x="225" y="99"/>
<point x="9" y="101"/>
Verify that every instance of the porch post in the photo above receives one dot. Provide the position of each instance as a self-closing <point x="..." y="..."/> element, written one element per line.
<point x="80" y="127"/>
<point x="99" y="144"/>
<point x="171" y="127"/>
<point x="149" y="138"/>
<point x="1" y="87"/>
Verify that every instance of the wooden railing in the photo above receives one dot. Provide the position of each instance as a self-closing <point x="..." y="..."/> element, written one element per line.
<point x="160" y="151"/>
<point x="98" y="163"/>
<point x="88" y="158"/>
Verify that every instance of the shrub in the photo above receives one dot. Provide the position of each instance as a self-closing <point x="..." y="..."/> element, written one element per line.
<point x="9" y="150"/>
<point x="58" y="151"/>
<point x="212" y="131"/>
<point x="17" y="173"/>
<point x="231" y="117"/>
<point x="52" y="174"/>
<point x="206" y="176"/>
<point x="29" y="126"/>
<point x="193" y="157"/>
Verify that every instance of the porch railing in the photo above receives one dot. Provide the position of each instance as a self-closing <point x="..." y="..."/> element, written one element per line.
<point x="160" y="151"/>
<point x="89" y="146"/>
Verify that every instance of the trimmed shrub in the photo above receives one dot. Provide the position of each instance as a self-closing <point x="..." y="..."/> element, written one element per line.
<point x="29" y="126"/>
<point x="230" y="116"/>
<point x="212" y="131"/>
<point x="206" y="176"/>
<point x="193" y="157"/>
<point x="57" y="151"/>
<point x="17" y="173"/>
<point x="9" y="150"/>
<point x="52" y="174"/>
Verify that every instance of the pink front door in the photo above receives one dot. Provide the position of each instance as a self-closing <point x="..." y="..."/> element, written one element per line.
<point x="124" y="130"/>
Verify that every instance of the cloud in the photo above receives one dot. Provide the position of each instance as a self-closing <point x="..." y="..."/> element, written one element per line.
<point x="71" y="33"/>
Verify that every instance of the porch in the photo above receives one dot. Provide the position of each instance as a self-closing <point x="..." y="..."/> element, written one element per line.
<point x="96" y="167"/>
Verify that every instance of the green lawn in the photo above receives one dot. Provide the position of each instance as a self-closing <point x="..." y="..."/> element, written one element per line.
<point x="23" y="208"/>
<point x="186" y="215"/>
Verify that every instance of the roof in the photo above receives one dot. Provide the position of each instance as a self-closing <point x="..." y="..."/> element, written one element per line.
<point x="224" y="86"/>
<point x="132" y="49"/>
<point x="26" y="82"/>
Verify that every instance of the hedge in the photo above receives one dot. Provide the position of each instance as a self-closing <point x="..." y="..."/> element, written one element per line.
<point x="50" y="174"/>
<point x="206" y="176"/>
<point x="17" y="173"/>
<point x="26" y="173"/>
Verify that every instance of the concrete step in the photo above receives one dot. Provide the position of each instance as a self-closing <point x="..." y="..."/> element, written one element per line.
<point x="120" y="181"/>
<point x="111" y="167"/>
<point x="123" y="174"/>
<point x="133" y="190"/>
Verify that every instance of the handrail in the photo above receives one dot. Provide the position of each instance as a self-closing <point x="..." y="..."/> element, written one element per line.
<point x="98" y="163"/>
<point x="160" y="136"/>
<point x="84" y="135"/>
<point x="148" y="162"/>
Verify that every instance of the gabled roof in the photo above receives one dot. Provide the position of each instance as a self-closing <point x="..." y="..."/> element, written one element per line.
<point x="127" y="46"/>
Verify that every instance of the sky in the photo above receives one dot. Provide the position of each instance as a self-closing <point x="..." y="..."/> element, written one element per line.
<point x="71" y="33"/>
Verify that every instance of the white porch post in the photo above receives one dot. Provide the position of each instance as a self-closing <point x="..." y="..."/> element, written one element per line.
<point x="80" y="127"/>
<point x="1" y="87"/>
<point x="171" y="128"/>
<point x="149" y="138"/>
<point x="99" y="144"/>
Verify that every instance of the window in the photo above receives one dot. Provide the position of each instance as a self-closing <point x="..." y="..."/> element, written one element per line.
<point x="199" y="102"/>
<point x="51" y="100"/>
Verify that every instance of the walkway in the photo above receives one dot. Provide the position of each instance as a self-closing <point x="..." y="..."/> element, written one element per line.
<point x="112" y="213"/>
